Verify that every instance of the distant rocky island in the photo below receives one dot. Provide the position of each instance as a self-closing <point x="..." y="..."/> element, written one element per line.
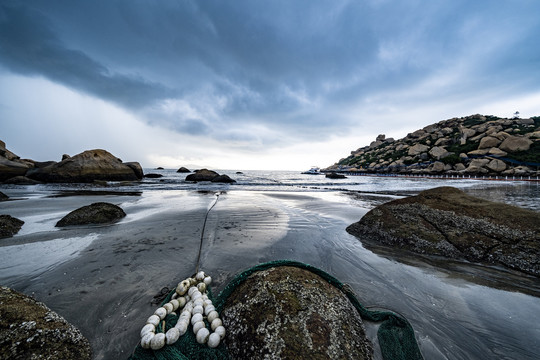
<point x="472" y="145"/>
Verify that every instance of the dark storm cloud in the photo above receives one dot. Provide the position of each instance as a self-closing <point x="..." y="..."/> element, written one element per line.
<point x="29" y="46"/>
<point x="212" y="67"/>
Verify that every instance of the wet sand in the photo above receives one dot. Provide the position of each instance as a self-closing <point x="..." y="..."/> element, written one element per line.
<point x="103" y="278"/>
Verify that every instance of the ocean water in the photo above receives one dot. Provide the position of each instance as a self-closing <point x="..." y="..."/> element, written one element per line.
<point x="521" y="193"/>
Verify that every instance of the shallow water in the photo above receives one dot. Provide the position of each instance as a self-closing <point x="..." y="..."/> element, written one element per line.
<point x="453" y="318"/>
<point x="103" y="278"/>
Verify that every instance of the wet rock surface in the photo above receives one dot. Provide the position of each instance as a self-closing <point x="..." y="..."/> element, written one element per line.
<point x="290" y="313"/>
<point x="96" y="213"/>
<point x="202" y="175"/>
<point x="9" y="226"/>
<point x="447" y="222"/>
<point x="223" y="179"/>
<point x="209" y="175"/>
<point x="30" y="330"/>
<point x="88" y="166"/>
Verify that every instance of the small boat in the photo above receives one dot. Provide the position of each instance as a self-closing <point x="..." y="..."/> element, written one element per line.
<point x="313" y="171"/>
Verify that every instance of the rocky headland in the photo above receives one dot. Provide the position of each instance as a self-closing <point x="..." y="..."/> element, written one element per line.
<point x="88" y="166"/>
<point x="472" y="145"/>
<point x="449" y="223"/>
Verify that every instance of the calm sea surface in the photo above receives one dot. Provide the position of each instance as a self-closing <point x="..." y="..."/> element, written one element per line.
<point x="521" y="193"/>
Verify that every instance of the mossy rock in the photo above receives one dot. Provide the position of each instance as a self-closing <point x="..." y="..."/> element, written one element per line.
<point x="9" y="226"/>
<point x="30" y="330"/>
<point x="291" y="313"/>
<point x="447" y="222"/>
<point x="97" y="213"/>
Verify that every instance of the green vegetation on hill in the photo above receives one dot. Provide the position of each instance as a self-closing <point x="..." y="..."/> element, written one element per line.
<point x="532" y="155"/>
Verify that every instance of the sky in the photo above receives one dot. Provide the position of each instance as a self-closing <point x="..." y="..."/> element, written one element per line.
<point x="253" y="84"/>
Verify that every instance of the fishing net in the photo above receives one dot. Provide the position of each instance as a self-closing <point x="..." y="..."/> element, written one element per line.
<point x="395" y="334"/>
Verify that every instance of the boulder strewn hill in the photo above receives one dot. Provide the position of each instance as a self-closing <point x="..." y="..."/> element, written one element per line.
<point x="476" y="145"/>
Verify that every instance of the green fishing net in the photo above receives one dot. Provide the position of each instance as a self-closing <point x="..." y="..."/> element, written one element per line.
<point x="395" y="334"/>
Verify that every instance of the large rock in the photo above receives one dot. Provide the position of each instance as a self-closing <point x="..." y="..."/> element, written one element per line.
<point x="30" y="330"/>
<point x="496" y="165"/>
<point x="137" y="169"/>
<point x="88" y="166"/>
<point x="96" y="213"/>
<point x="497" y="152"/>
<point x="418" y="149"/>
<point x="467" y="132"/>
<point x="438" y="152"/>
<point x="488" y="142"/>
<point x="3" y="196"/>
<point x="447" y="222"/>
<point x="290" y="313"/>
<point x="9" y="226"/>
<point x="202" y="175"/>
<point x="437" y="166"/>
<point x="516" y="143"/>
<point x="9" y="169"/>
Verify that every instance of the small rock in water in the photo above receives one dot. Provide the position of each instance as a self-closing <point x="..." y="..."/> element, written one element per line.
<point x="97" y="213"/>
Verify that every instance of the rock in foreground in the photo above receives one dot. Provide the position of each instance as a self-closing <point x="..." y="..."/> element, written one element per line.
<point x="9" y="225"/>
<point x="30" y="330"/>
<point x="290" y="313"/>
<point x="447" y="222"/>
<point x="97" y="213"/>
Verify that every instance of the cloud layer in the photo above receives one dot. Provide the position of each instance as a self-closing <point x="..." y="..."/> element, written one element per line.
<point x="256" y="76"/>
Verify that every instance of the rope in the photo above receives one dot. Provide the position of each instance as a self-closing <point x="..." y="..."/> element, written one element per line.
<point x="202" y="232"/>
<point x="395" y="334"/>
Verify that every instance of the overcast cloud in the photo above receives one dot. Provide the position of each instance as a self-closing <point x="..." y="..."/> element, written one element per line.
<point x="255" y="84"/>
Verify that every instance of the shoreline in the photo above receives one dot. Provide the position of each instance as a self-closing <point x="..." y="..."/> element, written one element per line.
<point x="443" y="176"/>
<point x="105" y="287"/>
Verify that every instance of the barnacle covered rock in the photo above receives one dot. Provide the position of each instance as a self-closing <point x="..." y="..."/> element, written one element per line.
<point x="285" y="311"/>
<point x="30" y="330"/>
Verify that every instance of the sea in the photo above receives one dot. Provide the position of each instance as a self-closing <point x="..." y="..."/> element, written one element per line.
<point x="521" y="193"/>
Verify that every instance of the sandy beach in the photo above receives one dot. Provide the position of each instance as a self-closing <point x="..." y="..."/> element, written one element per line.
<point x="103" y="278"/>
